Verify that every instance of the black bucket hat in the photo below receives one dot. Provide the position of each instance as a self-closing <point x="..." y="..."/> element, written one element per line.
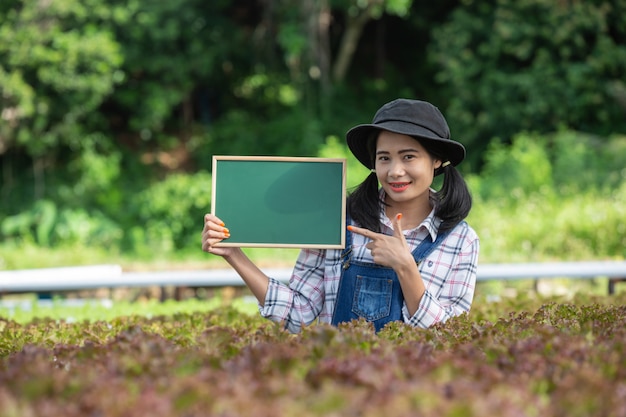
<point x="415" y="118"/>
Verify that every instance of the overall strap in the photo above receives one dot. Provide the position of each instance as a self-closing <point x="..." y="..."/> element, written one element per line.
<point x="345" y="254"/>
<point x="427" y="246"/>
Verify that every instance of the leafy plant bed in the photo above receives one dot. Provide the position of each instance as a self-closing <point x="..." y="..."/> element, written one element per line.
<point x="518" y="357"/>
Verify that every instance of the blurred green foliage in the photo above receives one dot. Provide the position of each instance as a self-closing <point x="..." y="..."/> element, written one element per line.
<point x="56" y="68"/>
<point x="514" y="65"/>
<point x="110" y="111"/>
<point x="549" y="197"/>
<point x="169" y="212"/>
<point x="530" y="204"/>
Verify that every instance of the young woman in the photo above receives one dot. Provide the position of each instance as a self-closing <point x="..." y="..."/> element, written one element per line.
<point x="409" y="254"/>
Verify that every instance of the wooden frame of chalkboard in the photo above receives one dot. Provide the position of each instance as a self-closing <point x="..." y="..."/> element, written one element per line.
<point x="286" y="202"/>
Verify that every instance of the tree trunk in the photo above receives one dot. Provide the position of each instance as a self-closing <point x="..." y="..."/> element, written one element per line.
<point x="349" y="42"/>
<point x="323" y="47"/>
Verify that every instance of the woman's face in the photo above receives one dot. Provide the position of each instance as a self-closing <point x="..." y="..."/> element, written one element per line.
<point x="404" y="169"/>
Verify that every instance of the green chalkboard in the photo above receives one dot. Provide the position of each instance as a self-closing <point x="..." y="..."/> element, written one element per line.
<point x="280" y="201"/>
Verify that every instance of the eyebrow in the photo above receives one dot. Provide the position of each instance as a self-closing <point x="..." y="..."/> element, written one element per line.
<point x="401" y="151"/>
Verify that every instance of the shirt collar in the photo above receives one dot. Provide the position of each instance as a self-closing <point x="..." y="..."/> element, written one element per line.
<point x="430" y="223"/>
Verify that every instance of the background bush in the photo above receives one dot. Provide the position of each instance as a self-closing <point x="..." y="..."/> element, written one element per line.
<point x="111" y="111"/>
<point x="545" y="197"/>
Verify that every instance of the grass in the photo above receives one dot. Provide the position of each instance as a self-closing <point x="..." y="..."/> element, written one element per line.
<point x="24" y="309"/>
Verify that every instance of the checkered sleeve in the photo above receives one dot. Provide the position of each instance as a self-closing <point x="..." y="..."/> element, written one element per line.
<point x="298" y="304"/>
<point x="451" y="290"/>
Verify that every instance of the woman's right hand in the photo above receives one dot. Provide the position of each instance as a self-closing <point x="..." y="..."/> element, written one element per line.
<point x="214" y="232"/>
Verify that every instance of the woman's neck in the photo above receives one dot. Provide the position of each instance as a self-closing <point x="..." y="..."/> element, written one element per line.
<point x="412" y="214"/>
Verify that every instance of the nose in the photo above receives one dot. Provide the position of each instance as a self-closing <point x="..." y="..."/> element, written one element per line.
<point x="396" y="169"/>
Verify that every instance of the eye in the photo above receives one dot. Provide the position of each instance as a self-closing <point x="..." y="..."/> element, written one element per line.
<point x="383" y="158"/>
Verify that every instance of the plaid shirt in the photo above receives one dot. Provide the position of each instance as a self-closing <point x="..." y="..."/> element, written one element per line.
<point x="449" y="274"/>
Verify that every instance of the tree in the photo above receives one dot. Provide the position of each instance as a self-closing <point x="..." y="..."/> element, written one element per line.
<point x="176" y="54"/>
<point x="55" y="69"/>
<point x="358" y="14"/>
<point x="305" y="34"/>
<point x="538" y="65"/>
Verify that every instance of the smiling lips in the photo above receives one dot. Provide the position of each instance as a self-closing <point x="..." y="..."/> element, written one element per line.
<point x="399" y="186"/>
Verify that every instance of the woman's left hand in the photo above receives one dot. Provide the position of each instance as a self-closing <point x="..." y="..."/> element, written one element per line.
<point x="387" y="250"/>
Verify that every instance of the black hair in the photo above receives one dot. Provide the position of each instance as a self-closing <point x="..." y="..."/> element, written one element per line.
<point x="452" y="202"/>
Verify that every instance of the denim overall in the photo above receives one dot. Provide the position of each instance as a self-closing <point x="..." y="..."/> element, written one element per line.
<point x="373" y="291"/>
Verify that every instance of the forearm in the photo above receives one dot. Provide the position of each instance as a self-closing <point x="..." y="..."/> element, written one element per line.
<point x="254" y="278"/>
<point x="301" y="302"/>
<point x="412" y="285"/>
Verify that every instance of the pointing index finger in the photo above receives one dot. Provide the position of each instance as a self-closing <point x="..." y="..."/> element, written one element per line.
<point x="397" y="226"/>
<point x="363" y="232"/>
